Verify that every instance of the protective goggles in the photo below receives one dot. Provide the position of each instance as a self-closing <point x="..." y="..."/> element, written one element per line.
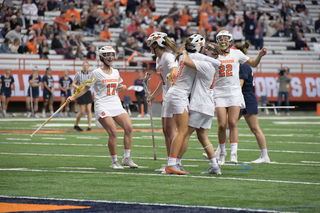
<point x="212" y="50"/>
<point x="223" y="38"/>
<point x="107" y="54"/>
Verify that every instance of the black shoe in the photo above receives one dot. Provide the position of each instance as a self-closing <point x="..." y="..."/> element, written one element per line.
<point x="78" y="128"/>
<point x="89" y="129"/>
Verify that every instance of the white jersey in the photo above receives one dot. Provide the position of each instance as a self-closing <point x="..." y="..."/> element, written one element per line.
<point x="163" y="68"/>
<point x="105" y="90"/>
<point x="202" y="91"/>
<point x="227" y="76"/>
<point x="185" y="77"/>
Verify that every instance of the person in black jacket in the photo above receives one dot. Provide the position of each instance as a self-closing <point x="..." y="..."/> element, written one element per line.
<point x="56" y="45"/>
<point x="250" y="26"/>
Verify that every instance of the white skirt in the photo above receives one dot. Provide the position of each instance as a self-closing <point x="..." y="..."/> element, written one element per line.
<point x="175" y="105"/>
<point x="200" y="120"/>
<point x="235" y="100"/>
<point x="102" y="113"/>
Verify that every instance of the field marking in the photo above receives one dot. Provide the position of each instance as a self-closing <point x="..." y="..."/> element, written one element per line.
<point x="298" y="123"/>
<point x="161" y="175"/>
<point x="19" y="139"/>
<point x="144" y="158"/>
<point x="84" y="168"/>
<point x="140" y="203"/>
<point x="47" y="138"/>
<point x="310" y="161"/>
<point x="88" y="137"/>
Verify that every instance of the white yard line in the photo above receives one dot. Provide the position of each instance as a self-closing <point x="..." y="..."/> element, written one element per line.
<point x="297" y="123"/>
<point x="47" y="138"/>
<point x="81" y="168"/>
<point x="18" y="139"/>
<point x="160" y="175"/>
<point x="139" y="203"/>
<point x="141" y="158"/>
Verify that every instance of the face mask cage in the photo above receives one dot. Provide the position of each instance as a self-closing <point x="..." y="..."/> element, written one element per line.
<point x="212" y="50"/>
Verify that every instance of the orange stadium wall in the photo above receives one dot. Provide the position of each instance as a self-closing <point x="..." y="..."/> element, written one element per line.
<point x="303" y="87"/>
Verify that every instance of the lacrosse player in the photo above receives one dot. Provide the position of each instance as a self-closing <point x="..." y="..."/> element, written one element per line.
<point x="7" y="85"/>
<point x="33" y="93"/>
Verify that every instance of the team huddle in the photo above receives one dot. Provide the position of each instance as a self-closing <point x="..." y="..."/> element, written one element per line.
<point x="196" y="82"/>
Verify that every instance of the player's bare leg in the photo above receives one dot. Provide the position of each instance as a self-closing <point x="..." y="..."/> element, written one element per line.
<point x="222" y="124"/>
<point x="233" y="115"/>
<point x="89" y="114"/>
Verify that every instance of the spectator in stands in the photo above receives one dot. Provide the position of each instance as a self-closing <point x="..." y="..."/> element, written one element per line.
<point x="277" y="5"/>
<point x="7" y="15"/>
<point x="3" y="9"/>
<point x="302" y="28"/>
<point x="91" y="21"/>
<point x="152" y="6"/>
<point x="144" y="9"/>
<point x="61" y="21"/>
<point x="79" y="54"/>
<point x="29" y="10"/>
<point x="52" y="5"/>
<point x="15" y="45"/>
<point x="132" y="27"/>
<point x="14" y="22"/>
<point x="164" y="27"/>
<point x="259" y="34"/>
<point x="115" y="20"/>
<point x="151" y="29"/>
<point x="43" y="49"/>
<point x="65" y="41"/>
<point x="250" y="26"/>
<point x="64" y="5"/>
<point x="189" y="31"/>
<point x="230" y="25"/>
<point x="39" y="25"/>
<point x="300" y="7"/>
<point x="105" y="16"/>
<point x="179" y="32"/>
<point x="15" y="33"/>
<point x="284" y="87"/>
<point x="317" y="25"/>
<point x="131" y="6"/>
<point x="47" y="32"/>
<point x="288" y="27"/>
<point x="72" y="11"/>
<point x="57" y="45"/>
<point x="139" y="34"/>
<point x="73" y="41"/>
<point x="20" y="18"/>
<point x="174" y="12"/>
<point x="147" y="19"/>
<point x="69" y="53"/>
<point x="306" y="19"/>
<point x="280" y="30"/>
<point x="301" y="44"/>
<point x="32" y="45"/>
<point x="4" y="48"/>
<point x="218" y="3"/>
<point x="74" y="24"/>
<point x="130" y="46"/>
<point x="42" y="7"/>
<point x="128" y="18"/>
<point x="5" y="29"/>
<point x="124" y="33"/>
<point x="105" y="34"/>
<point x="222" y="17"/>
<point x="185" y="16"/>
<point x="205" y="3"/>
<point x="91" y="55"/>
<point x="39" y="36"/>
<point x="27" y="36"/>
<point x="84" y="44"/>
<point x="56" y="29"/>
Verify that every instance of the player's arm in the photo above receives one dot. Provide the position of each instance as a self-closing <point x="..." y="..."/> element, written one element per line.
<point x="254" y="62"/>
<point x="81" y="93"/>
<point x="12" y="86"/>
<point x="74" y="84"/>
<point x="121" y="87"/>
<point x="187" y="61"/>
<point x="46" y="86"/>
<point x="61" y="87"/>
<point x="241" y="82"/>
<point x="156" y="92"/>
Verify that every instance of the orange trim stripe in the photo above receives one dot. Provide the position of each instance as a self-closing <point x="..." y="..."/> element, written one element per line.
<point x="222" y="142"/>
<point x="127" y="148"/>
<point x="113" y="154"/>
<point x="233" y="141"/>
<point x="173" y="156"/>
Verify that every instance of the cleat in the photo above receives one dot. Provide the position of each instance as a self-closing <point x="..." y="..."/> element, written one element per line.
<point x="212" y="170"/>
<point x="116" y="165"/>
<point x="222" y="157"/>
<point x="262" y="160"/>
<point x="37" y="115"/>
<point x="61" y="114"/>
<point x="129" y="162"/>
<point x="147" y="115"/>
<point x="234" y="158"/>
<point x="88" y="129"/>
<point x="217" y="151"/>
<point x="174" y="170"/>
<point x="162" y="169"/>
<point x="139" y="116"/>
<point x="78" y="128"/>
<point x="205" y="155"/>
<point x="28" y="114"/>
<point x="181" y="168"/>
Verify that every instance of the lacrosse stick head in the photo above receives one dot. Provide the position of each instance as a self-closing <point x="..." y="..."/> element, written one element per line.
<point x="146" y="79"/>
<point x="82" y="85"/>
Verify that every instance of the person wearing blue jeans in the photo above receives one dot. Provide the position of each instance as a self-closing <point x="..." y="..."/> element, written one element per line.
<point x="284" y="88"/>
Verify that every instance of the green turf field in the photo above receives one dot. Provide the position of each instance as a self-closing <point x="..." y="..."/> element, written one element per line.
<point x="77" y="165"/>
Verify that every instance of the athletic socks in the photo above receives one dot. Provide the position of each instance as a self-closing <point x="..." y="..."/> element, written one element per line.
<point x="227" y="135"/>
<point x="264" y="152"/>
<point x="213" y="162"/>
<point x="114" y="157"/>
<point x="222" y="146"/>
<point x="178" y="161"/>
<point x="172" y="161"/>
<point x="234" y="147"/>
<point x="126" y="152"/>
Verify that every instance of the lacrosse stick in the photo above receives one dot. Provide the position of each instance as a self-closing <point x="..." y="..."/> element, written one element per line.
<point x="56" y="112"/>
<point x="146" y="89"/>
<point x="31" y="102"/>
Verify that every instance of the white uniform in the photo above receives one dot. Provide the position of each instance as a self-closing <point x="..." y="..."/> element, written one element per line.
<point x="227" y="89"/>
<point x="201" y="101"/>
<point x="163" y="68"/>
<point x="176" y="100"/>
<point x="106" y="99"/>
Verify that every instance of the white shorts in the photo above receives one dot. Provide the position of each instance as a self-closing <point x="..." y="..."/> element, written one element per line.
<point x="230" y="101"/>
<point x="200" y="120"/>
<point x="108" y="113"/>
<point x="165" y="113"/>
<point x="175" y="105"/>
